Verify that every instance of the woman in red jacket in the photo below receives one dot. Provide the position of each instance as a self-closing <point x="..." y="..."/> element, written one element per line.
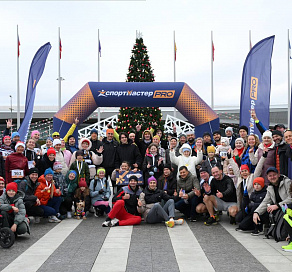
<point x="16" y="164"/>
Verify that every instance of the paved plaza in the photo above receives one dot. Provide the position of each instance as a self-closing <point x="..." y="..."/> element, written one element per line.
<point x="84" y="245"/>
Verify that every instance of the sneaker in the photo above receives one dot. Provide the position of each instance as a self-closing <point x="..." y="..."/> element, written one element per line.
<point x="69" y="215"/>
<point x="169" y="223"/>
<point x="210" y="221"/>
<point x="60" y="216"/>
<point x="54" y="219"/>
<point x="37" y="219"/>
<point x="114" y="222"/>
<point x="179" y="221"/>
<point x="193" y="219"/>
<point x="287" y="248"/>
<point x="232" y="220"/>
<point x="256" y="232"/>
<point x="106" y="223"/>
<point x="217" y="217"/>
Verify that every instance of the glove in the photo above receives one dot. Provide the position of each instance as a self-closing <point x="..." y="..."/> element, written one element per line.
<point x="105" y="198"/>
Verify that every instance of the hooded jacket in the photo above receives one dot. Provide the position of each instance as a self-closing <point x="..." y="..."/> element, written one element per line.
<point x="44" y="196"/>
<point x="187" y="184"/>
<point x="44" y="164"/>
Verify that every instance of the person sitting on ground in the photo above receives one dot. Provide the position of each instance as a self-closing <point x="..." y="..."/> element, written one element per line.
<point x="31" y="201"/>
<point x="211" y="160"/>
<point x="249" y="204"/>
<point x="82" y="194"/>
<point x="186" y="159"/>
<point x="222" y="198"/>
<point x="167" y="182"/>
<point x="205" y="189"/>
<point x="49" y="196"/>
<point x="188" y="199"/>
<point x="90" y="158"/>
<point x="13" y="210"/>
<point x="125" y="202"/>
<point x="80" y="167"/>
<point x="278" y="194"/>
<point x="100" y="193"/>
<point x="151" y="208"/>
<point x="16" y="164"/>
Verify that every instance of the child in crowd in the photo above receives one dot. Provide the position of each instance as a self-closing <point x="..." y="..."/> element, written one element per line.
<point x="153" y="163"/>
<point x="125" y="166"/>
<point x="211" y="160"/>
<point x="80" y="167"/>
<point x="89" y="157"/>
<point x="186" y="158"/>
<point x="82" y="194"/>
<point x="221" y="150"/>
<point x="13" y="210"/>
<point x="100" y="193"/>
<point x="249" y="205"/>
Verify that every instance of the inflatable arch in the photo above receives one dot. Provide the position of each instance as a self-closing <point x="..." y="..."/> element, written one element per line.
<point x="137" y="94"/>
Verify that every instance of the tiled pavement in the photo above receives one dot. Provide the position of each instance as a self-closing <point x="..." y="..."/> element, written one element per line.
<point x="86" y="246"/>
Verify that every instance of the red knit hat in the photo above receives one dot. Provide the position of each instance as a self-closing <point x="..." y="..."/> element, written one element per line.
<point x="11" y="186"/>
<point x="51" y="150"/>
<point x="82" y="183"/>
<point x="260" y="181"/>
<point x="244" y="167"/>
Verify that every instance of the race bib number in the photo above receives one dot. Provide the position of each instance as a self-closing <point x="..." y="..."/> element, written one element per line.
<point x="88" y="161"/>
<point x="37" y="150"/>
<point x="17" y="173"/>
<point x="30" y="164"/>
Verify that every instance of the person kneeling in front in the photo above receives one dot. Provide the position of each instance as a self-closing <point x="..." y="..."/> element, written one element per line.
<point x="124" y="211"/>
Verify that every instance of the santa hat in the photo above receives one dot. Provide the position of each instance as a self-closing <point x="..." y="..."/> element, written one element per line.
<point x="19" y="143"/>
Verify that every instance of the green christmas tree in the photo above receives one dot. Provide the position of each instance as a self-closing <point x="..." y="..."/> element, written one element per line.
<point x="139" y="71"/>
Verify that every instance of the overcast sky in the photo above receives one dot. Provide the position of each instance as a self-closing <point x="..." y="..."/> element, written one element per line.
<point x="118" y="21"/>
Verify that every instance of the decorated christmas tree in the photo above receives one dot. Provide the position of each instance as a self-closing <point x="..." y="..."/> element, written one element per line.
<point x="139" y="71"/>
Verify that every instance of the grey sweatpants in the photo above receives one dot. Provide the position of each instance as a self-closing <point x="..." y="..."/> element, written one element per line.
<point x="158" y="214"/>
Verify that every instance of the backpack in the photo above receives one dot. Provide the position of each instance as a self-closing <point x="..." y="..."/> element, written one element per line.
<point x="95" y="182"/>
<point x="18" y="181"/>
<point x="278" y="230"/>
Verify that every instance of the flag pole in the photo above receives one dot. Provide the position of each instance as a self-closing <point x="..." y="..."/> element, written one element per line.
<point x="250" y="45"/>
<point x="18" y="89"/>
<point x="174" y="60"/>
<point x="212" y="57"/>
<point x="59" y="70"/>
<point x="98" y="60"/>
<point x="289" y="87"/>
<point x="174" y="76"/>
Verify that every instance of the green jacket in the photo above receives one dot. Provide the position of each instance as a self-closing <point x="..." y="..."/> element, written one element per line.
<point x="84" y="173"/>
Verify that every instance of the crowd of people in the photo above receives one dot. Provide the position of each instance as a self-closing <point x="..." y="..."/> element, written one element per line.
<point x="198" y="175"/>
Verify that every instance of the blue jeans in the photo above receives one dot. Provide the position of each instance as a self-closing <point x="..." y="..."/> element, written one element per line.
<point x="189" y="208"/>
<point x="52" y="207"/>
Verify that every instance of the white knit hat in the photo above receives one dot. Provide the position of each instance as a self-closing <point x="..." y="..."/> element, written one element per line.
<point x="56" y="141"/>
<point x="228" y="129"/>
<point x="239" y="139"/>
<point x="267" y="133"/>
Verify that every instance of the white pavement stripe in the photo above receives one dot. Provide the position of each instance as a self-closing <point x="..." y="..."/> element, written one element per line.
<point x="33" y="258"/>
<point x="266" y="251"/>
<point x="113" y="255"/>
<point x="188" y="252"/>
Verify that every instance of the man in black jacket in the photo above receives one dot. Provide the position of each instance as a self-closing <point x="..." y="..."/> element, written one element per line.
<point x="124" y="212"/>
<point x="31" y="202"/>
<point x="281" y="161"/>
<point x="222" y="198"/>
<point x="127" y="151"/>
